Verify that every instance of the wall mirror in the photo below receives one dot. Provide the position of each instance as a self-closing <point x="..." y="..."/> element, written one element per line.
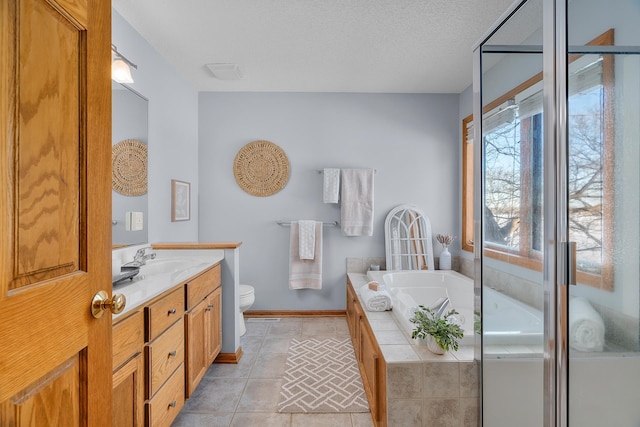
<point x="129" y="122"/>
<point x="407" y="235"/>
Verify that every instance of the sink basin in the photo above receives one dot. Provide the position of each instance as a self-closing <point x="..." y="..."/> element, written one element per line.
<point x="170" y="265"/>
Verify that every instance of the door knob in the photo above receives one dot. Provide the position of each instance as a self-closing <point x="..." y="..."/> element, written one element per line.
<point x="101" y="303"/>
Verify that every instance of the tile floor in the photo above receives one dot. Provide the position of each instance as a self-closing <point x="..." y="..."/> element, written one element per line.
<point x="247" y="394"/>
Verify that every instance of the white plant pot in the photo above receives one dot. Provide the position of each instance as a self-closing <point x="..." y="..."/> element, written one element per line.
<point x="432" y="345"/>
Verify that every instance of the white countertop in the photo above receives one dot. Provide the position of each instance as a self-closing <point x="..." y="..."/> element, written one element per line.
<point x="143" y="288"/>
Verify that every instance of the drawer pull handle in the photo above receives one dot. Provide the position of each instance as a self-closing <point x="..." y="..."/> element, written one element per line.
<point x="173" y="353"/>
<point x="173" y="404"/>
<point x="172" y="311"/>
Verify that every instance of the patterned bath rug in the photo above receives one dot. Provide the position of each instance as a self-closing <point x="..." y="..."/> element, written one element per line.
<point x="322" y="376"/>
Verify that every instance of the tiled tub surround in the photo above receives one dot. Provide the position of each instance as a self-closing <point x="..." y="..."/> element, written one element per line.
<point x="422" y="389"/>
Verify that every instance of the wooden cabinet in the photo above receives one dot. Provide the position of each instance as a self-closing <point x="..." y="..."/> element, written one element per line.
<point x="163" y="313"/>
<point x="370" y="361"/>
<point x="164" y="357"/>
<point x="371" y="368"/>
<point x="354" y="313"/>
<point x="214" y="324"/>
<point x="165" y="406"/>
<point x="203" y="326"/>
<point x="128" y="371"/>
<point x="161" y="351"/>
<point x="128" y="393"/>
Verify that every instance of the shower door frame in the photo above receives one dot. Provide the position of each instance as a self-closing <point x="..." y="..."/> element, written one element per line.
<point x="556" y="257"/>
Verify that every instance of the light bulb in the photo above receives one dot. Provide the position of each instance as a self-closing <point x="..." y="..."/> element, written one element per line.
<point x="120" y="72"/>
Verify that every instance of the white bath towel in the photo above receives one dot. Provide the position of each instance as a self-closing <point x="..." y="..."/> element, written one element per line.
<point x="586" y="327"/>
<point x="357" y="202"/>
<point x="379" y="300"/>
<point x="331" y="185"/>
<point x="307" y="239"/>
<point x="305" y="273"/>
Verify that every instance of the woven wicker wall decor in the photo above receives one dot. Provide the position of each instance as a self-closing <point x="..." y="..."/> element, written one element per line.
<point x="261" y="168"/>
<point x="129" y="158"/>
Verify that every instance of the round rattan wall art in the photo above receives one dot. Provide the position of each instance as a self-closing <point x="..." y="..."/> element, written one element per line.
<point x="129" y="159"/>
<point x="261" y="168"/>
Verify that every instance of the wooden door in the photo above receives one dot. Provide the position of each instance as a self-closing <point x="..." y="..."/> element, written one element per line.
<point x="55" y="187"/>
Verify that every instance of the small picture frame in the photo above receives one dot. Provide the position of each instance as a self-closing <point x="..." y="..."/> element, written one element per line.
<point x="180" y="201"/>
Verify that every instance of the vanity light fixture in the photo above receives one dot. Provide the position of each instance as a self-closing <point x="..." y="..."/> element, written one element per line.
<point x="120" y="71"/>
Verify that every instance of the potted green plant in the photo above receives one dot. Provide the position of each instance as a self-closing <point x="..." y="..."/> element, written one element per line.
<point x="440" y="333"/>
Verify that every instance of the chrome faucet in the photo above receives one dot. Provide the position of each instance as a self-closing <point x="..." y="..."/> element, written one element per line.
<point x="440" y="306"/>
<point x="140" y="258"/>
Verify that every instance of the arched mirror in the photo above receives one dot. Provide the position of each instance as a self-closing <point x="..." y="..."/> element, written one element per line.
<point x="407" y="235"/>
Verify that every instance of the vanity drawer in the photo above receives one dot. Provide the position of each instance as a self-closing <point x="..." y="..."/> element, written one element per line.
<point x="162" y="313"/>
<point x="128" y="338"/>
<point x="163" y="356"/>
<point x="165" y="406"/>
<point x="203" y="285"/>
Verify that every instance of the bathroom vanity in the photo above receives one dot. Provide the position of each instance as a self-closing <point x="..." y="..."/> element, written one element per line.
<point x="167" y="337"/>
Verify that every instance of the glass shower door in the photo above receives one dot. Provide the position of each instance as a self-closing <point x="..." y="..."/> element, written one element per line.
<point x="511" y="193"/>
<point x="603" y="192"/>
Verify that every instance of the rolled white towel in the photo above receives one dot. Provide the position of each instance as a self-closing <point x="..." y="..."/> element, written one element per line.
<point x="379" y="300"/>
<point x="586" y="327"/>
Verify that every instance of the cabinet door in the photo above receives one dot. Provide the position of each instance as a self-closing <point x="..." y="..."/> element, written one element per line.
<point x="370" y="362"/>
<point x="128" y="390"/>
<point x="214" y="325"/>
<point x="195" y="334"/>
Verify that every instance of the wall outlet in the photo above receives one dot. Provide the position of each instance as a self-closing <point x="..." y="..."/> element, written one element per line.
<point x="134" y="221"/>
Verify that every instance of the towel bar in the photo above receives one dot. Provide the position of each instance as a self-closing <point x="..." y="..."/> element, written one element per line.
<point x="324" y="224"/>
<point x="322" y="170"/>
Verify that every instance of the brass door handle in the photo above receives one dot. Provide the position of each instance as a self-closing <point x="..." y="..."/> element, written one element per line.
<point x="101" y="303"/>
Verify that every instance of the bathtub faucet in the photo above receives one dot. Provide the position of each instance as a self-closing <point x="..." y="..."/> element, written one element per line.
<point x="440" y="306"/>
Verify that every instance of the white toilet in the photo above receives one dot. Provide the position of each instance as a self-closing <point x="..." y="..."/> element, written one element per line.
<point x="247" y="298"/>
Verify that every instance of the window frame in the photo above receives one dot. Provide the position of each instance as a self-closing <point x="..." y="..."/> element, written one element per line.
<point x="528" y="257"/>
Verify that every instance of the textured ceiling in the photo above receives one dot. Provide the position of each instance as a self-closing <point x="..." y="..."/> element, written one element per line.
<point x="402" y="46"/>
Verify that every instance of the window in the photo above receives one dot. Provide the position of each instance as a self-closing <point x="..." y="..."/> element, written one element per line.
<point x="513" y="182"/>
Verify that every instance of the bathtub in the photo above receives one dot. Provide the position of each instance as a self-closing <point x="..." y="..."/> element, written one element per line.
<point x="506" y="321"/>
<point x="409" y="288"/>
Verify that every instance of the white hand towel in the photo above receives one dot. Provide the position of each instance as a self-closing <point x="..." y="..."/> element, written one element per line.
<point x="307" y="238"/>
<point x="305" y="273"/>
<point x="331" y="185"/>
<point x="379" y="300"/>
<point x="586" y="327"/>
<point x="357" y="202"/>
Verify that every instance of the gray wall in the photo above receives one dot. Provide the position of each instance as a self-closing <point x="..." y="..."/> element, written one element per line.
<point x="173" y="132"/>
<point x="411" y="140"/>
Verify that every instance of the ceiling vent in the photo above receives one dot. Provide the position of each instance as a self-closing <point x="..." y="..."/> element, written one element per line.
<point x="225" y="71"/>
